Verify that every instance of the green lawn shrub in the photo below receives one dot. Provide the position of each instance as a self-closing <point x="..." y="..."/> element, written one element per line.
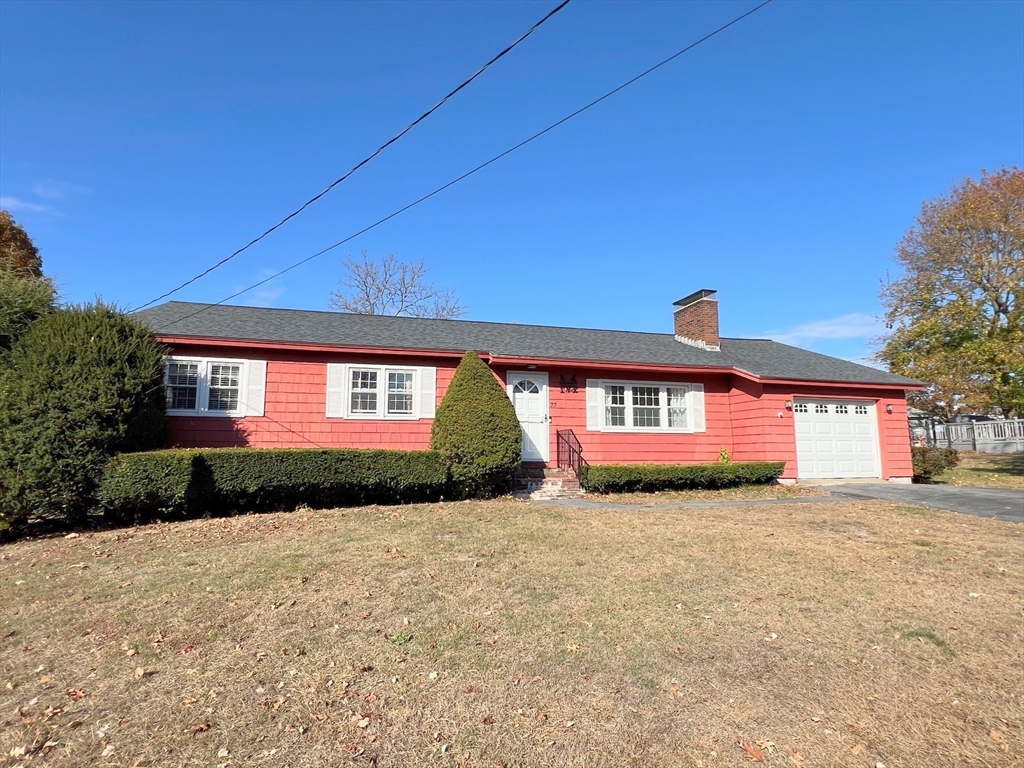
<point x="647" y="478"/>
<point x="930" y="461"/>
<point x="222" y="481"/>
<point x="476" y="432"/>
<point x="81" y="384"/>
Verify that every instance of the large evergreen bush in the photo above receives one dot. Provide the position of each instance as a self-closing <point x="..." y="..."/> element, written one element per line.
<point x="476" y="431"/>
<point x="82" y="384"/>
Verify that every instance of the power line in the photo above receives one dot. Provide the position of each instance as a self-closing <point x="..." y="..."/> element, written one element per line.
<point x="364" y="161"/>
<point x="480" y="167"/>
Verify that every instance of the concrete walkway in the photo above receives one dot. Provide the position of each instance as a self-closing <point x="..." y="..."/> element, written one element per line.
<point x="1001" y="504"/>
<point x="982" y="502"/>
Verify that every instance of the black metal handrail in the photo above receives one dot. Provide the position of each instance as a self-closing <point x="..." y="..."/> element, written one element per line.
<point x="570" y="452"/>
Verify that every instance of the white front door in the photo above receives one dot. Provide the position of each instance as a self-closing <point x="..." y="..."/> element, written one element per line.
<point x="836" y="438"/>
<point x="529" y="395"/>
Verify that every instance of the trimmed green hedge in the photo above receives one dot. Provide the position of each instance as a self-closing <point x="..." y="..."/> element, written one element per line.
<point x="625" y="478"/>
<point x="192" y="483"/>
<point x="930" y="461"/>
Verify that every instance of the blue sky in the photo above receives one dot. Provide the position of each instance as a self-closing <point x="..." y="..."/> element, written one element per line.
<point x="779" y="163"/>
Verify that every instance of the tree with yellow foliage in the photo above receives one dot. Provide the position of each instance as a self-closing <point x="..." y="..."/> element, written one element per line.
<point x="955" y="318"/>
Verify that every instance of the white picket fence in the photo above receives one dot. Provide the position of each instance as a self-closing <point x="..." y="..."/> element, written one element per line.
<point x="985" y="436"/>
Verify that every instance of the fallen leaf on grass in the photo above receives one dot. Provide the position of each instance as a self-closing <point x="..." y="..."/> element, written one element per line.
<point x="189" y="702"/>
<point x="798" y="761"/>
<point x="200" y="727"/>
<point x="996" y="736"/>
<point x="76" y="693"/>
<point x="751" y="752"/>
<point x="141" y="672"/>
<point x="541" y="717"/>
<point x="363" y="723"/>
<point x="488" y="720"/>
<point x="857" y="749"/>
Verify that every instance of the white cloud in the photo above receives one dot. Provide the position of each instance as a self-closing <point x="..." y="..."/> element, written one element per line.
<point x="856" y="325"/>
<point x="265" y="295"/>
<point x="57" y="190"/>
<point x="17" y="204"/>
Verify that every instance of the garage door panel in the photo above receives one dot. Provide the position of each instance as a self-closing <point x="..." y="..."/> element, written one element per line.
<point x="836" y="439"/>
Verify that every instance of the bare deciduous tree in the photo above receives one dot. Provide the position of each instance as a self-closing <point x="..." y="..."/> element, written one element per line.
<point x="392" y="287"/>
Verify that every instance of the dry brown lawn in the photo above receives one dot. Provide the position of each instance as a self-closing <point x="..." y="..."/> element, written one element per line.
<point x="986" y="470"/>
<point x="740" y="493"/>
<point x="511" y="634"/>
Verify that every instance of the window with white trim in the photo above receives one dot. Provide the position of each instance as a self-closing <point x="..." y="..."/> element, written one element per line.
<point x="400" y="389"/>
<point x="197" y="386"/>
<point x="677" y="407"/>
<point x="363" y="398"/>
<point x="646" y="406"/>
<point x="379" y="392"/>
<point x="225" y="381"/>
<point x="615" y="405"/>
<point x="182" y="383"/>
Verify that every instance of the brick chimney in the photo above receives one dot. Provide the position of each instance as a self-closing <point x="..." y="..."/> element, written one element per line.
<point x="697" y="320"/>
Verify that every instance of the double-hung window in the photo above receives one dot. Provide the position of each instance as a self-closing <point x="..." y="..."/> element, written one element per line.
<point x="182" y="383"/>
<point x="197" y="386"/>
<point x="363" y="397"/>
<point x="356" y="391"/>
<point x="400" y="389"/>
<point x="644" y="406"/>
<point x="615" y="405"/>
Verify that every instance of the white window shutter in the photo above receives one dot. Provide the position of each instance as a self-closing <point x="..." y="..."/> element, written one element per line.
<point x="697" y="407"/>
<point x="427" y="391"/>
<point x="594" y="396"/>
<point x="336" y="382"/>
<point x="255" y="387"/>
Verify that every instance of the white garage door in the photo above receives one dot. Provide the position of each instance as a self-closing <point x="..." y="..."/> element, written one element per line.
<point x="836" y="438"/>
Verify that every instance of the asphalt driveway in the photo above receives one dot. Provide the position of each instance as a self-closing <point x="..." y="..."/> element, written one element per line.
<point x="1005" y="505"/>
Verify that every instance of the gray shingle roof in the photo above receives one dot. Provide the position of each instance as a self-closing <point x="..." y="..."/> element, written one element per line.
<point x="764" y="358"/>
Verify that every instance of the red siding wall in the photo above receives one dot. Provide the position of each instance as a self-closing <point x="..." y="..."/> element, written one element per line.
<point x="741" y="415"/>
<point x="569" y="410"/>
<point x="296" y="405"/>
<point x="764" y="427"/>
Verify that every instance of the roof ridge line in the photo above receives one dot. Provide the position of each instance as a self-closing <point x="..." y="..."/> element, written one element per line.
<point x="434" y="319"/>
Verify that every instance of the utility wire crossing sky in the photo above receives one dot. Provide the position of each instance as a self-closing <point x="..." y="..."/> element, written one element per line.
<point x="362" y="162"/>
<point x="480" y="167"/>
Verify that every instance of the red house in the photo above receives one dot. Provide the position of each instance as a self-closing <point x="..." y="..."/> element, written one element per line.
<point x="288" y="378"/>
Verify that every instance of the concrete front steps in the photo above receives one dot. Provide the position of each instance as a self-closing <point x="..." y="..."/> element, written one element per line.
<point x="539" y="483"/>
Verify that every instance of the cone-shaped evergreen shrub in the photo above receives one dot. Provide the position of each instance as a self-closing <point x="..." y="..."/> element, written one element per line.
<point x="476" y="431"/>
<point x="82" y="384"/>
